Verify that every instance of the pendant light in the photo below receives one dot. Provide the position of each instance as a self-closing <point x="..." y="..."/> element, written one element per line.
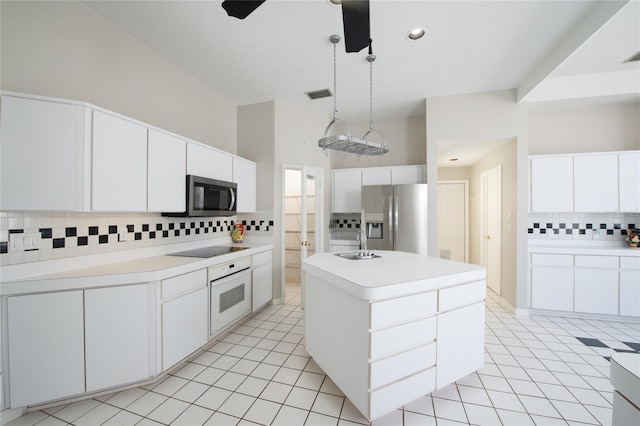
<point x="345" y="142"/>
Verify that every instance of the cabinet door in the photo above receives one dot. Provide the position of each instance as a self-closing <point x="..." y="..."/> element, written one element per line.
<point x="552" y="184"/>
<point x="596" y="291"/>
<point x="595" y="183"/>
<point x="244" y="174"/>
<point x="199" y="160"/>
<point x="376" y="176"/>
<point x="222" y="166"/>
<point x="119" y="164"/>
<point x="40" y="143"/>
<point x="628" y="178"/>
<point x="460" y="350"/>
<point x="184" y="326"/>
<point x="167" y="158"/>
<point x="262" y="285"/>
<point x="552" y="288"/>
<point x="630" y="293"/>
<point x="407" y="175"/>
<point x="46" y="347"/>
<point x="117" y="336"/>
<point x="347" y="191"/>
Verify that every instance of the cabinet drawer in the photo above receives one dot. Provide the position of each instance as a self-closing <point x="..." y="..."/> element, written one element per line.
<point x="391" y="397"/>
<point x="262" y="258"/>
<point x="551" y="259"/>
<point x="183" y="283"/>
<point x="399" y="366"/>
<point x="462" y="295"/>
<point x="630" y="262"/>
<point x="610" y="262"/>
<point x="403" y="309"/>
<point x="397" y="339"/>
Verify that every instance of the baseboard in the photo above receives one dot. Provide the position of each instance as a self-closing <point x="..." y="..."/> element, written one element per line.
<point x="518" y="313"/>
<point x="10" y="414"/>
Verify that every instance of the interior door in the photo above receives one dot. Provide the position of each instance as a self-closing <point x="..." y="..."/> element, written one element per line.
<point x="310" y="211"/>
<point x="453" y="224"/>
<point x="491" y="244"/>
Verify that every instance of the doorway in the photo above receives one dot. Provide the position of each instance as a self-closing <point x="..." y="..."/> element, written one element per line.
<point x="302" y="211"/>
<point x="491" y="237"/>
<point x="453" y="220"/>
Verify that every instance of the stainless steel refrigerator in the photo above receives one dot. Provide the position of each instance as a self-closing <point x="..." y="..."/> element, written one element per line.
<point x="395" y="217"/>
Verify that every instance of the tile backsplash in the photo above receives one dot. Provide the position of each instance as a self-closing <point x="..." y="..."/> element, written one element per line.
<point x="581" y="226"/>
<point x="343" y="226"/>
<point x="69" y="234"/>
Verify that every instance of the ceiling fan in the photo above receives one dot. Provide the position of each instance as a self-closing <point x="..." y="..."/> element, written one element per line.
<point x="355" y="19"/>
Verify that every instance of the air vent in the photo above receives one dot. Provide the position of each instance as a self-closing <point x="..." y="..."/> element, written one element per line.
<point x="319" y="94"/>
<point x="634" y="58"/>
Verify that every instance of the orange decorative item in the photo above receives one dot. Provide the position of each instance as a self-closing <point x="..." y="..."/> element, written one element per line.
<point x="238" y="233"/>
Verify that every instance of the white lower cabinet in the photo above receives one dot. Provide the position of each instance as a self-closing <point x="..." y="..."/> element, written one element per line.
<point x="116" y="336"/>
<point x="184" y="316"/>
<point x="261" y="279"/>
<point x="552" y="288"/>
<point x="46" y="347"/>
<point x="596" y="291"/>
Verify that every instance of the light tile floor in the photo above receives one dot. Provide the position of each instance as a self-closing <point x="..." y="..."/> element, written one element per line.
<point x="536" y="373"/>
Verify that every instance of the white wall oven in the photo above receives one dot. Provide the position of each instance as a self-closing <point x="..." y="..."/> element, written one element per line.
<point x="229" y="293"/>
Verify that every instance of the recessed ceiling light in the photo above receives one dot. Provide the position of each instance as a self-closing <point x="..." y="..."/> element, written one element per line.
<point x="335" y="2"/>
<point x="415" y="34"/>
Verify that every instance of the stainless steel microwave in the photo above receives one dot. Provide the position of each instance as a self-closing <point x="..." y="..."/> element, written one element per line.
<point x="209" y="197"/>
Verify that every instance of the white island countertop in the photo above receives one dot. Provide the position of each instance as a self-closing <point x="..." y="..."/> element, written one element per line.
<point x="393" y="274"/>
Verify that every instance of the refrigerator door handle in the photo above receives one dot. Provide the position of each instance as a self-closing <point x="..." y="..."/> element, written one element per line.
<point x="390" y="232"/>
<point x="395" y="221"/>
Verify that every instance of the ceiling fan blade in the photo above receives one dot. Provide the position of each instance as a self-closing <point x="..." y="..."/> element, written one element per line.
<point x="240" y="8"/>
<point x="355" y="19"/>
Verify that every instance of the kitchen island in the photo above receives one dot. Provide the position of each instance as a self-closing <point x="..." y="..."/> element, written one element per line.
<point x="391" y="329"/>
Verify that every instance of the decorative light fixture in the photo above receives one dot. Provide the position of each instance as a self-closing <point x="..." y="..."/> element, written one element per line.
<point x="347" y="143"/>
<point x="415" y="34"/>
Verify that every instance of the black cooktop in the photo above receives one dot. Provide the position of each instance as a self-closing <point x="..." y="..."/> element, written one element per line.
<point x="205" y="252"/>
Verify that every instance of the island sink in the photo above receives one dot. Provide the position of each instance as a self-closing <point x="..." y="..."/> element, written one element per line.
<point x="357" y="255"/>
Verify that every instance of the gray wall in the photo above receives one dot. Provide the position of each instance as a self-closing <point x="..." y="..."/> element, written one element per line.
<point x="64" y="50"/>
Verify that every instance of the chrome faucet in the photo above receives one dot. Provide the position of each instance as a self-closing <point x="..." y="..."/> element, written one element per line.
<point x="362" y="237"/>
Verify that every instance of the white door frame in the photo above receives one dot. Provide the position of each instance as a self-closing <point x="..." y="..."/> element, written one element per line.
<point x="484" y="232"/>
<point x="319" y="215"/>
<point x="466" y="214"/>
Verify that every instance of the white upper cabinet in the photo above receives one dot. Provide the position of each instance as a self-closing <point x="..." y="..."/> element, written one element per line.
<point x="119" y="164"/>
<point x="552" y="184"/>
<point x="42" y="148"/>
<point x="629" y="181"/>
<point x="167" y="159"/>
<point x="347" y="190"/>
<point x="595" y="183"/>
<point x="407" y="175"/>
<point x="376" y="176"/>
<point x="209" y="162"/>
<point x="244" y="174"/>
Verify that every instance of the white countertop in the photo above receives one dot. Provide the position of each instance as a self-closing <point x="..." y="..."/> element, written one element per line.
<point x="140" y="270"/>
<point x="602" y="248"/>
<point x="394" y="274"/>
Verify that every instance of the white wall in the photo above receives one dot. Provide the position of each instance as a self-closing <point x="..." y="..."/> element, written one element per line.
<point x="65" y="50"/>
<point x="405" y="138"/>
<point x="484" y="116"/>
<point x="584" y="126"/>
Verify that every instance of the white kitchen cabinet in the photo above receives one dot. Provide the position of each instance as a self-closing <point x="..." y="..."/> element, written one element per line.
<point x="119" y="164"/>
<point x="116" y="336"/>
<point x="209" y="162"/>
<point x="347" y="191"/>
<point x="407" y="175"/>
<point x="167" y="157"/>
<point x="630" y="286"/>
<point x="628" y="178"/>
<point x="552" y="282"/>
<point x="552" y="184"/>
<point x="261" y="279"/>
<point x="595" y="183"/>
<point x="184" y="316"/>
<point x="46" y="347"/>
<point x="244" y="175"/>
<point x="376" y="176"/>
<point x="41" y="142"/>
<point x="596" y="291"/>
